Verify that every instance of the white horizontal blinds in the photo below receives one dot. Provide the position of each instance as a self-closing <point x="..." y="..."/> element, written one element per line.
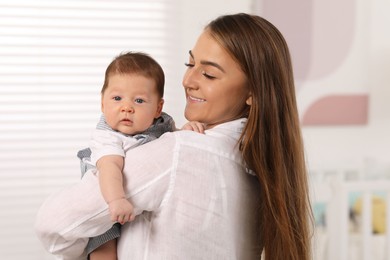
<point x="53" y="55"/>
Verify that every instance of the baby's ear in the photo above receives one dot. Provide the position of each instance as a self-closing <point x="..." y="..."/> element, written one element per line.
<point x="101" y="104"/>
<point x="159" y="108"/>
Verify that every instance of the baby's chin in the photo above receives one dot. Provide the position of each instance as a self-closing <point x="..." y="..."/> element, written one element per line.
<point x="126" y="131"/>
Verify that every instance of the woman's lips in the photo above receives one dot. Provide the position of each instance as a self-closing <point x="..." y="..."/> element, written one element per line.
<point x="194" y="99"/>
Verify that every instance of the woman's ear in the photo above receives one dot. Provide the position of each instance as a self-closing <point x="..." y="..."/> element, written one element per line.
<point x="249" y="100"/>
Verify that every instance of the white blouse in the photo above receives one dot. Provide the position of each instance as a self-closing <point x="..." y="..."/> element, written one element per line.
<point x="191" y="191"/>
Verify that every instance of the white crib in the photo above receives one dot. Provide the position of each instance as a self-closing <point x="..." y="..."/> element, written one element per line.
<point x="335" y="241"/>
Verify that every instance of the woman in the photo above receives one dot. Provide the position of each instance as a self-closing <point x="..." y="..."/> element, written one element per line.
<point x="234" y="192"/>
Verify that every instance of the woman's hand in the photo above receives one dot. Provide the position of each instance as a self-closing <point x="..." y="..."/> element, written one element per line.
<point x="194" y="126"/>
<point x="121" y="211"/>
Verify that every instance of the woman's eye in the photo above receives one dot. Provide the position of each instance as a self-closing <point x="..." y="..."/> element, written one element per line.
<point x="207" y="75"/>
<point x="139" y="100"/>
<point x="117" y="98"/>
<point x="189" y="65"/>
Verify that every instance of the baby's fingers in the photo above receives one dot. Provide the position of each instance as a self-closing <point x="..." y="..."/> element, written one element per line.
<point x="132" y="217"/>
<point x="194" y="126"/>
<point x="198" y="128"/>
<point x="122" y="219"/>
<point x="129" y="217"/>
<point x="115" y="218"/>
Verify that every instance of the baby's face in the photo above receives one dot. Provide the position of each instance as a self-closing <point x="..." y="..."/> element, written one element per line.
<point x="131" y="103"/>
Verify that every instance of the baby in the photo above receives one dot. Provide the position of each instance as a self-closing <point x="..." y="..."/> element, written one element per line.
<point x="131" y="104"/>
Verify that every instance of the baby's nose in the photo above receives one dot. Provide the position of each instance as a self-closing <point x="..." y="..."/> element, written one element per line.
<point x="127" y="109"/>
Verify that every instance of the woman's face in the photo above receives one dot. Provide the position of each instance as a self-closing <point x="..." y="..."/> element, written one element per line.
<point x="214" y="84"/>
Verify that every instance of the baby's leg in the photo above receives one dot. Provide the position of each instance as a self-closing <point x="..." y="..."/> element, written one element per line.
<point x="106" y="251"/>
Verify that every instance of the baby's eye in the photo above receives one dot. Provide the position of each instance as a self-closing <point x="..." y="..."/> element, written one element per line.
<point x="117" y="98"/>
<point x="139" y="100"/>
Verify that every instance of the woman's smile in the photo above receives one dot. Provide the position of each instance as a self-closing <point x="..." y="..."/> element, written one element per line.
<point x="195" y="99"/>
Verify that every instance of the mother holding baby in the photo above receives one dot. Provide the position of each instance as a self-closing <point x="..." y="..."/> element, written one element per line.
<point x="235" y="192"/>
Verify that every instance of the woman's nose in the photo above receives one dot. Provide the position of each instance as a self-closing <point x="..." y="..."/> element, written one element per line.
<point x="190" y="79"/>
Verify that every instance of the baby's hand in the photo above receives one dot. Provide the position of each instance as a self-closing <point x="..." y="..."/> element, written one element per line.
<point x="121" y="211"/>
<point x="194" y="126"/>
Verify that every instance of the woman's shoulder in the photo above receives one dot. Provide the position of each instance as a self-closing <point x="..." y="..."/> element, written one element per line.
<point x="222" y="138"/>
<point x="221" y="141"/>
<point x="223" y="132"/>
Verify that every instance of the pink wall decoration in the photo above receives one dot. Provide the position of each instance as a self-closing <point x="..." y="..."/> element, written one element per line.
<point x="338" y="110"/>
<point x="321" y="36"/>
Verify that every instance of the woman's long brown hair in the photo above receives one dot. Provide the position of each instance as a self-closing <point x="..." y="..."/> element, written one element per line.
<point x="271" y="142"/>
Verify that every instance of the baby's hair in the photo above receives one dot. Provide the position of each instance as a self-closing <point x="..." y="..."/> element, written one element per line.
<point x="136" y="63"/>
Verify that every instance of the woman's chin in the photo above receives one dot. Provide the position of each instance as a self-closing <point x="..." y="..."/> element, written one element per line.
<point x="189" y="115"/>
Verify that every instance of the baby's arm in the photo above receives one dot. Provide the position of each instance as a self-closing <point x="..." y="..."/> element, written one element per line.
<point x="194" y="126"/>
<point x="111" y="185"/>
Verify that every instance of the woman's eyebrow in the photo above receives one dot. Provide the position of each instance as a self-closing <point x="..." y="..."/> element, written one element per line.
<point x="209" y="63"/>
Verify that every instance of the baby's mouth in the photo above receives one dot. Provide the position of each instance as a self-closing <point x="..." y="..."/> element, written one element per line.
<point x="126" y="121"/>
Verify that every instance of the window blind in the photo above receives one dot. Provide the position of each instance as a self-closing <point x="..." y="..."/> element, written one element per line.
<point x="53" y="55"/>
